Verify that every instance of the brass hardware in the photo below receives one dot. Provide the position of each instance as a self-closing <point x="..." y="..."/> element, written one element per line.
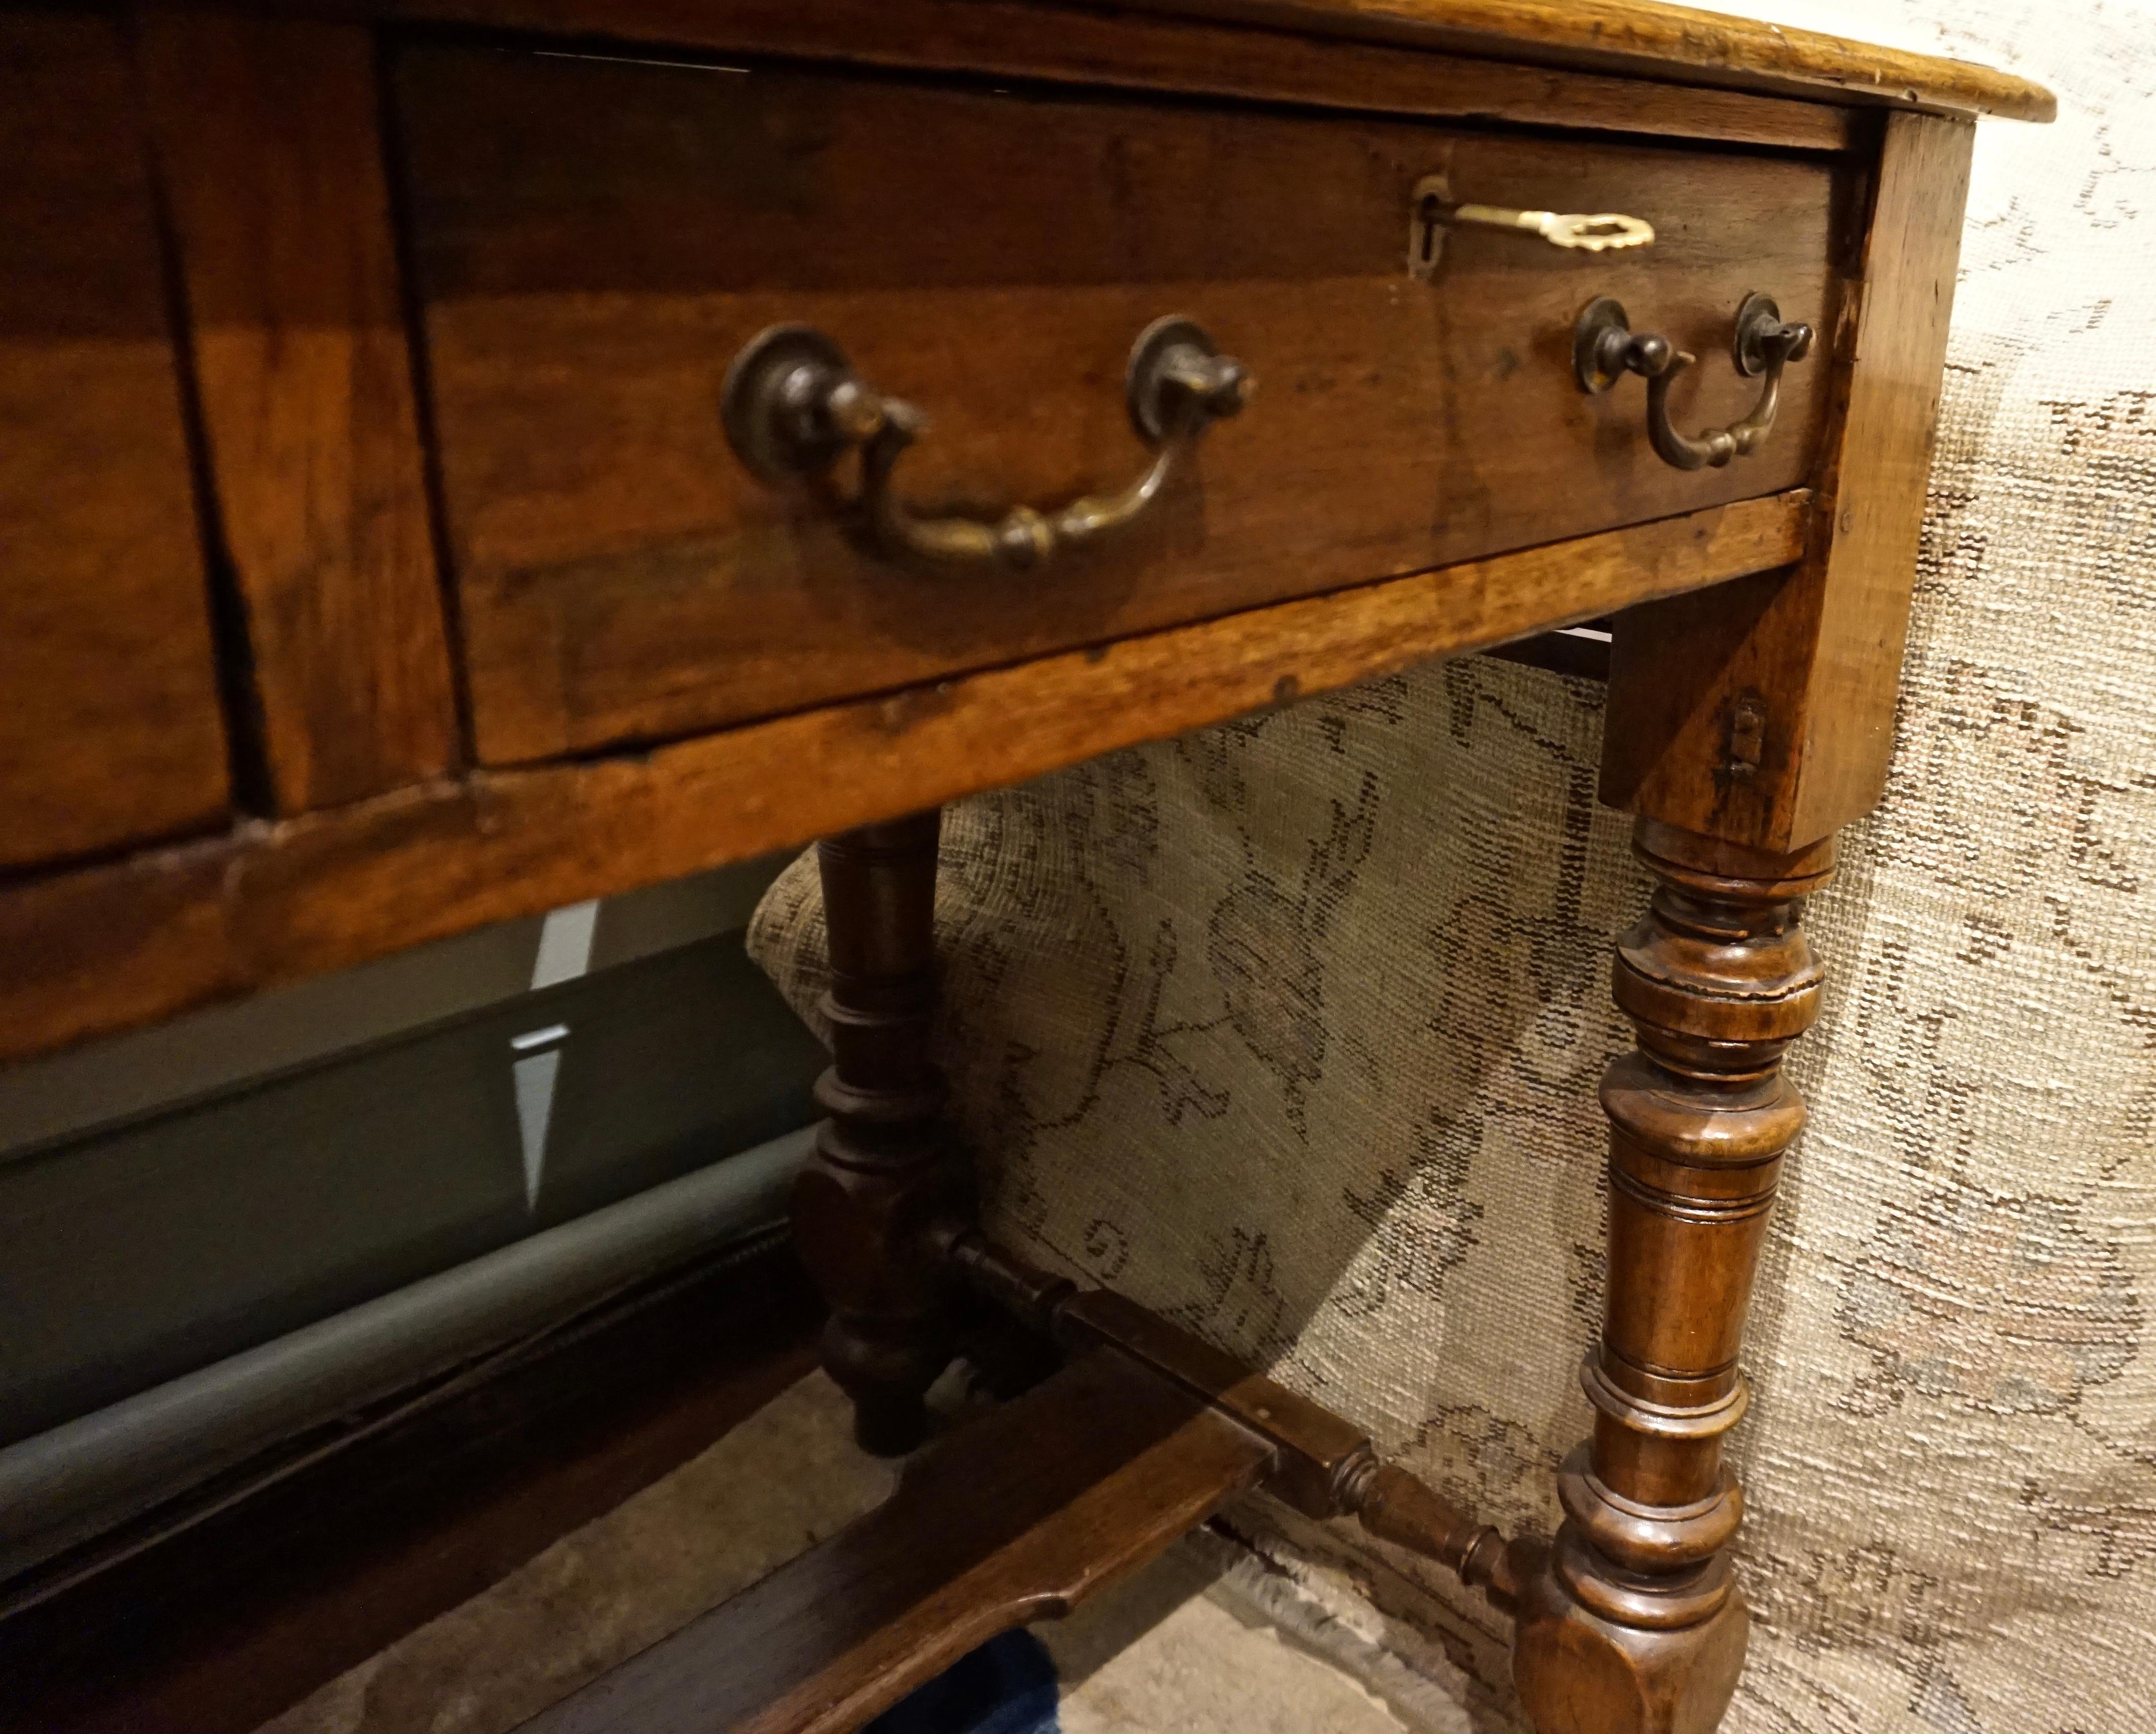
<point x="793" y="406"/>
<point x="1605" y="350"/>
<point x="1434" y="212"/>
<point x="1598" y="232"/>
<point x="1747" y="736"/>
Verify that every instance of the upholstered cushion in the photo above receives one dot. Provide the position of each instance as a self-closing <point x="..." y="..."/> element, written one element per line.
<point x="1291" y="1028"/>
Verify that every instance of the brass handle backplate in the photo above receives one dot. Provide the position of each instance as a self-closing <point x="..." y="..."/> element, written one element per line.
<point x="1604" y="349"/>
<point x="793" y="406"/>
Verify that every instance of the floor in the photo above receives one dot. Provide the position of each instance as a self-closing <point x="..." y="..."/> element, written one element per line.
<point x="256" y="1603"/>
<point x="1202" y="1641"/>
<point x="1186" y="1647"/>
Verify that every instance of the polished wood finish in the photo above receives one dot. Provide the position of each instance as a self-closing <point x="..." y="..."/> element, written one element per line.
<point x="1669" y="50"/>
<point x="1873" y="518"/>
<point x="111" y="731"/>
<point x="1647" y="39"/>
<point x="94" y="951"/>
<point x="1071" y="46"/>
<point x="270" y="155"/>
<point x="1016" y="1516"/>
<point x="883" y="1167"/>
<point x="1765" y="715"/>
<point x="595" y="243"/>
<point x="671" y="664"/>
<point x="1322" y="1465"/>
<point x="1633" y="1625"/>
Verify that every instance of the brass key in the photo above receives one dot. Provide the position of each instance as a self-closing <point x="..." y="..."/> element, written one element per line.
<point x="1594" y="233"/>
<point x="1434" y="213"/>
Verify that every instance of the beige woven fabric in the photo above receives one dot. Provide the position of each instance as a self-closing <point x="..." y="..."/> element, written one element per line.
<point x="1291" y="1028"/>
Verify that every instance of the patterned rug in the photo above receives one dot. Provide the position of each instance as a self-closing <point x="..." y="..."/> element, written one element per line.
<point x="1291" y="1028"/>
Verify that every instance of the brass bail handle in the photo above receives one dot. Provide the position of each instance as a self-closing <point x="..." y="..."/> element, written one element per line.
<point x="793" y="406"/>
<point x="1604" y="349"/>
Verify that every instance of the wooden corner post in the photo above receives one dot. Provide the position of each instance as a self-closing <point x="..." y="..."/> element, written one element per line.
<point x="883" y="1172"/>
<point x="1747" y="724"/>
<point x="1762" y="711"/>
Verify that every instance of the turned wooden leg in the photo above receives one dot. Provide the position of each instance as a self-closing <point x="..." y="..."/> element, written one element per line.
<point x="1633" y="1625"/>
<point x="882" y="1170"/>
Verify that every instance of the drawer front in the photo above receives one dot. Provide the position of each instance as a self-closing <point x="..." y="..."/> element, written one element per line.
<point x="595" y="241"/>
<point x="111" y="731"/>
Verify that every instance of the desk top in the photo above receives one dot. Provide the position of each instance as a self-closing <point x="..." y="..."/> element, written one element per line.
<point x="1636" y="38"/>
<point x="1648" y="39"/>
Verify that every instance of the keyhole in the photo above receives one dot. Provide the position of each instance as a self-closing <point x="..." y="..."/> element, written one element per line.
<point x="1747" y="735"/>
<point x="1430" y="207"/>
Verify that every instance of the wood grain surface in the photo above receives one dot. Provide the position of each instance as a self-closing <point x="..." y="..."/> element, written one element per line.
<point x="1808" y="663"/>
<point x="110" y="730"/>
<point x="1017" y="38"/>
<point x="595" y="242"/>
<point x="1664" y="49"/>
<point x="1652" y="40"/>
<point x="884" y="1162"/>
<point x="97" y="950"/>
<point x="271" y="155"/>
<point x="1872" y="515"/>
<point x="1017" y="1517"/>
<point x="1633" y="1620"/>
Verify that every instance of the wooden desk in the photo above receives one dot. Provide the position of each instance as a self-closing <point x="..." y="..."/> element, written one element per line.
<point x="414" y="522"/>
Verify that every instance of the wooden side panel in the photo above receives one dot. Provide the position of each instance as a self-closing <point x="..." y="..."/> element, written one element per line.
<point x="110" y="729"/>
<point x="1874" y="517"/>
<point x="1763" y="713"/>
<point x="597" y="241"/>
<point x="269" y="146"/>
<point x="91" y="952"/>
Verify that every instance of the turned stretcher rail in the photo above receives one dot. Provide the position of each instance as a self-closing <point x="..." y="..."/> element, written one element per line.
<point x="1323" y="1465"/>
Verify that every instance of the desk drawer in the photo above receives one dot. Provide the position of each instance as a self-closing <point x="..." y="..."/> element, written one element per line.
<point x="111" y="731"/>
<point x="596" y="240"/>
